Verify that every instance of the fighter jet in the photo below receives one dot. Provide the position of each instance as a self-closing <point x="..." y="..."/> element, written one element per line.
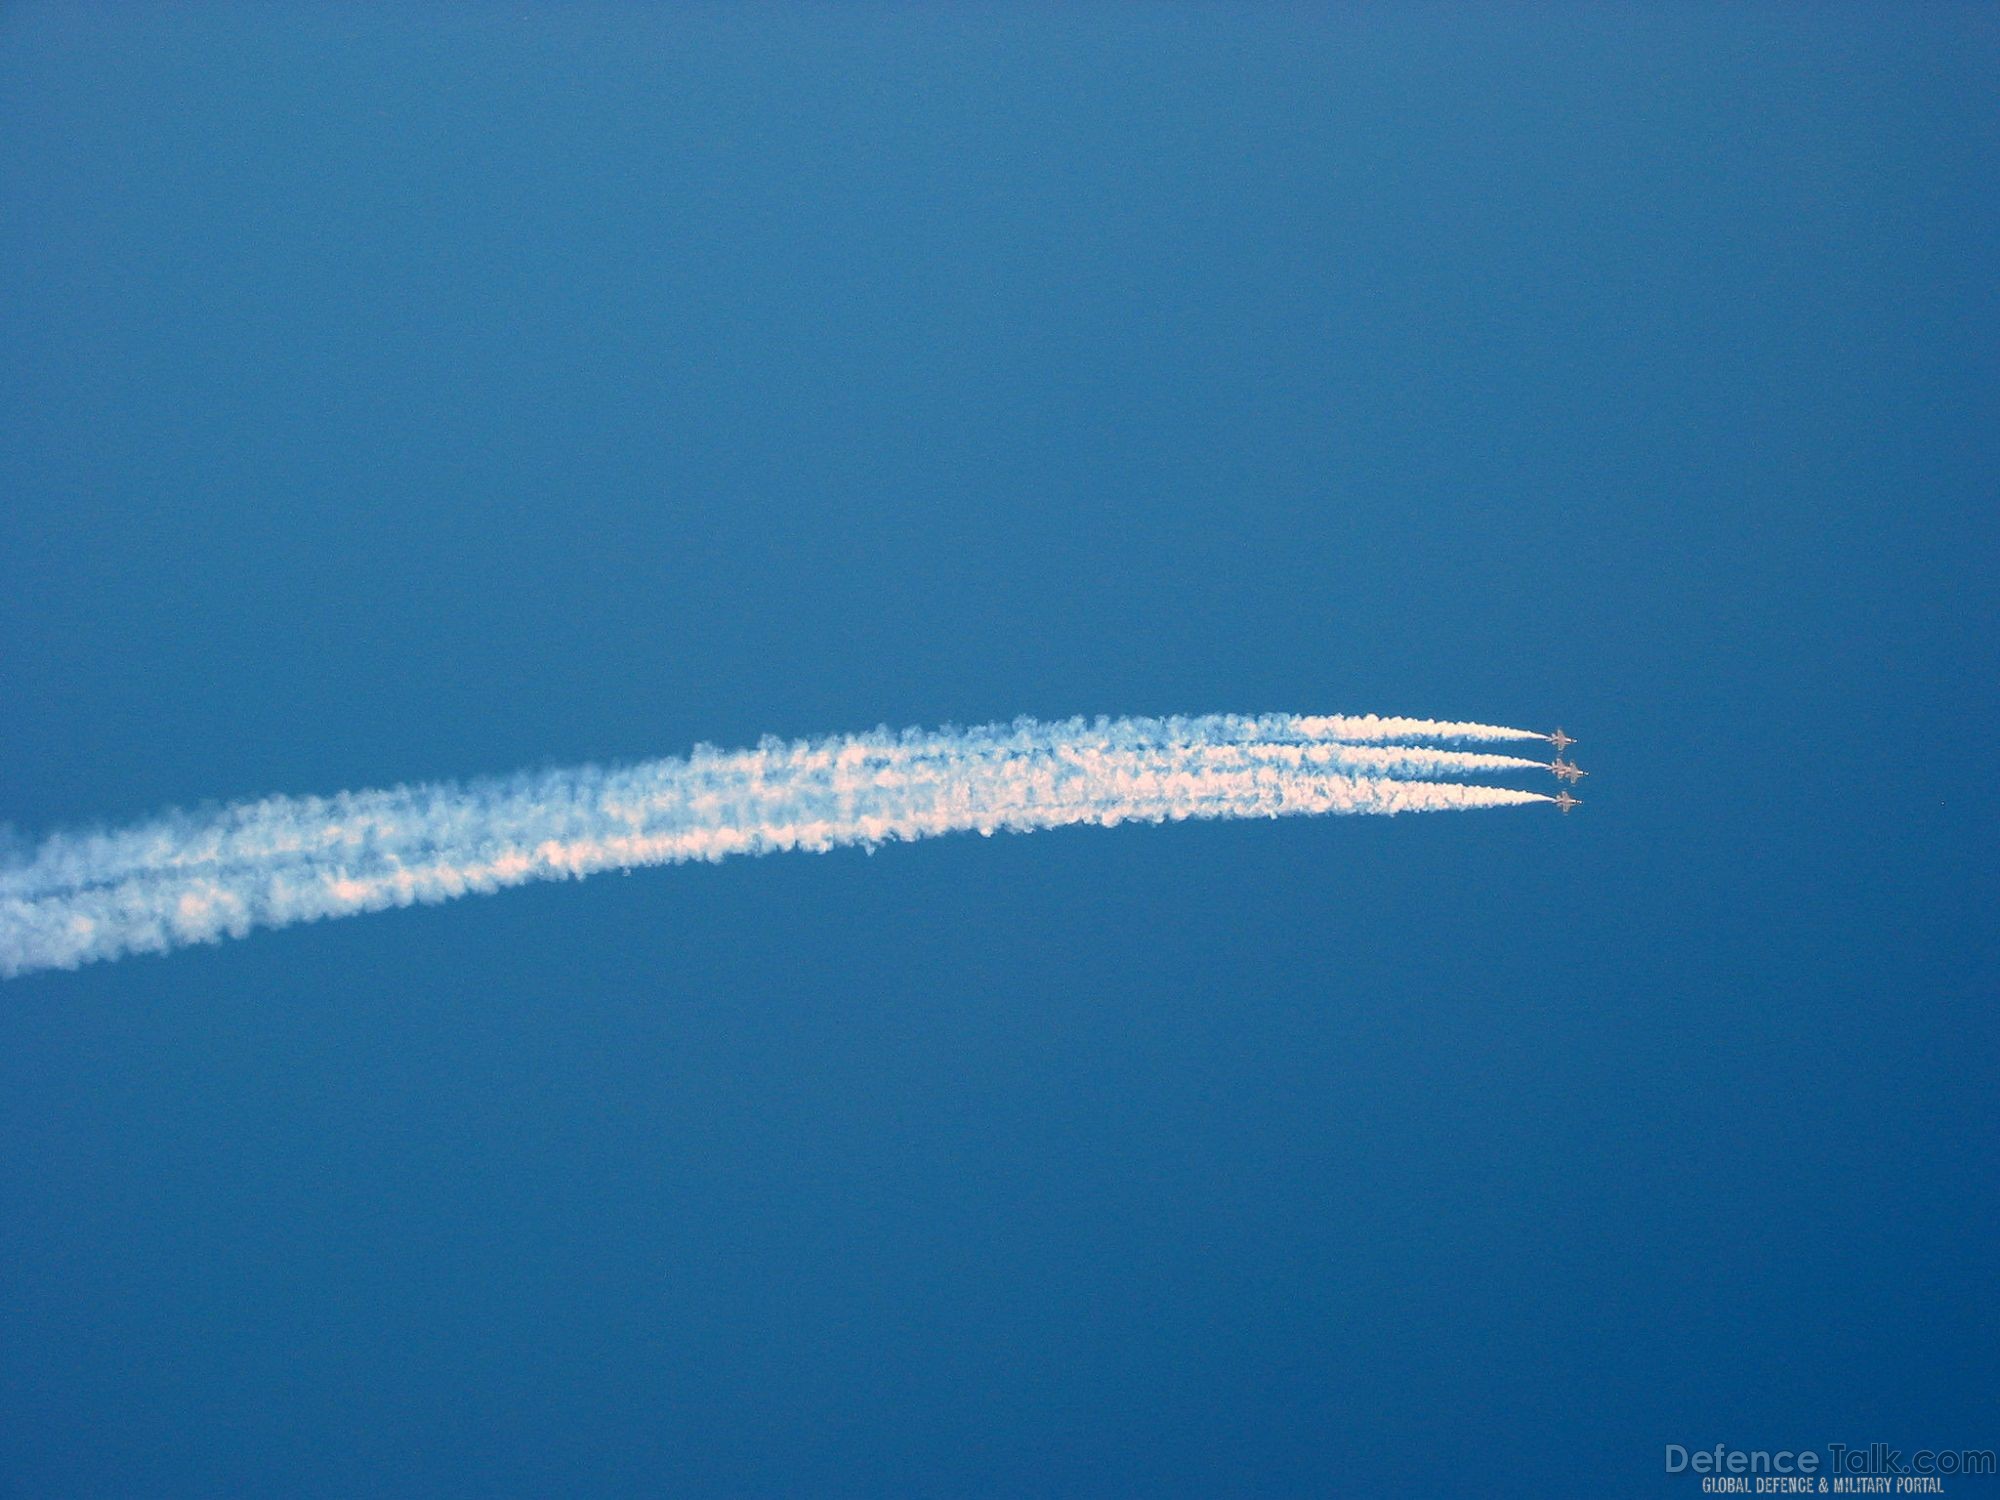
<point x="1560" y="740"/>
<point x="1567" y="770"/>
<point x="1565" y="801"/>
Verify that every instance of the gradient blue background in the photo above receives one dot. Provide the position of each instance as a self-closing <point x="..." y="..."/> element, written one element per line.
<point x="388" y="396"/>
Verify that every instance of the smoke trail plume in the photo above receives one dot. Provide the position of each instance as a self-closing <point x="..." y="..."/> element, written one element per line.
<point x="186" y="879"/>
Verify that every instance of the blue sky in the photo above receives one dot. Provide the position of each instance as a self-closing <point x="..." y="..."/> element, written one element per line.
<point x="387" y="397"/>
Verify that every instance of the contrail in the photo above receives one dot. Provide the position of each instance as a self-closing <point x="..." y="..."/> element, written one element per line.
<point x="186" y="879"/>
<point x="282" y="827"/>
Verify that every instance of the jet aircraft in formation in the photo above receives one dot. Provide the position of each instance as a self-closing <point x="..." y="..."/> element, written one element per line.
<point x="1565" y="770"/>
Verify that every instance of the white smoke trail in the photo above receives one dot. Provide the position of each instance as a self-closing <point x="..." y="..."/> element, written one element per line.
<point x="282" y="860"/>
<point x="287" y="827"/>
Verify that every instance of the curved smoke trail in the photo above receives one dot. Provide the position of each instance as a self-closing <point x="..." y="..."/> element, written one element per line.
<point x="187" y="879"/>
